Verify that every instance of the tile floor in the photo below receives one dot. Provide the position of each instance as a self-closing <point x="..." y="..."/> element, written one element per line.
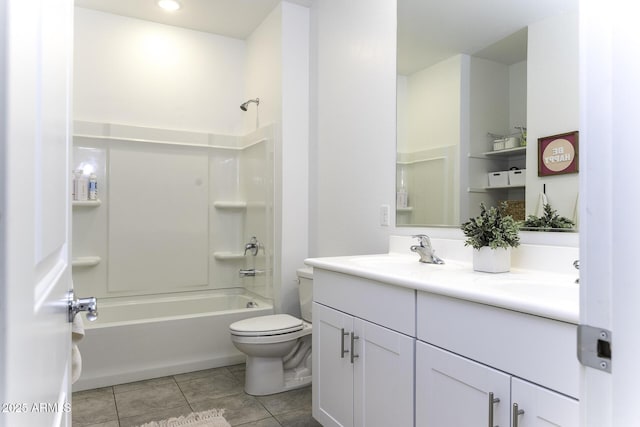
<point x="136" y="403"/>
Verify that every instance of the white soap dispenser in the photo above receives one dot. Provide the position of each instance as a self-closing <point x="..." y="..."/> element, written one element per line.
<point x="402" y="196"/>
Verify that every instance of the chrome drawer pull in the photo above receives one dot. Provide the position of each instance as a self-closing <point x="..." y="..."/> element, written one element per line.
<point x="492" y="401"/>
<point x="342" y="350"/>
<point x="515" y="414"/>
<point x="353" y="351"/>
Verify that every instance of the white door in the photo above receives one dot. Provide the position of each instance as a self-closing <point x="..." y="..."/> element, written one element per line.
<point x="453" y="391"/>
<point x="383" y="376"/>
<point x="609" y="181"/>
<point x="542" y="407"/>
<point x="35" y="61"/>
<point x="332" y="367"/>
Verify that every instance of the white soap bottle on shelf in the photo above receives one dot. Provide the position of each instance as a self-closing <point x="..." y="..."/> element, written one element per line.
<point x="93" y="187"/>
<point x="402" y="197"/>
<point x="82" y="186"/>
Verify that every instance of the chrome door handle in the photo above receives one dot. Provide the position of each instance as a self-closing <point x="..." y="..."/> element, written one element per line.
<point x="492" y="401"/>
<point x="342" y="350"/>
<point x="515" y="414"/>
<point x="90" y="305"/>
<point x="353" y="351"/>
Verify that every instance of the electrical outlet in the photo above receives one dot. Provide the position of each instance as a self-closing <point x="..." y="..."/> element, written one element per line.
<point x="384" y="215"/>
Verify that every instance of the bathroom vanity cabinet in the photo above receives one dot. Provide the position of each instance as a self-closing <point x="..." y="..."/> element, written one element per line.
<point x="527" y="363"/>
<point x="447" y="348"/>
<point x="363" y="370"/>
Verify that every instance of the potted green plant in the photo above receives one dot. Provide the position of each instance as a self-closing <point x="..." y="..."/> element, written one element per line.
<point x="550" y="220"/>
<point x="492" y="234"/>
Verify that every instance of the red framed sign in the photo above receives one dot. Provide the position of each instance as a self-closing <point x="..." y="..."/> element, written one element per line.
<point x="558" y="154"/>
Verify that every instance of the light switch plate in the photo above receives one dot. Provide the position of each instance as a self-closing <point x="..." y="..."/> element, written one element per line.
<point x="385" y="212"/>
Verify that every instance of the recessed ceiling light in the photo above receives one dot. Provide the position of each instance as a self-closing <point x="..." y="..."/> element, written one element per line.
<point x="169" y="5"/>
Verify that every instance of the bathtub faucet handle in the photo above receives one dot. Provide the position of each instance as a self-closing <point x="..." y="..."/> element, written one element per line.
<point x="252" y="246"/>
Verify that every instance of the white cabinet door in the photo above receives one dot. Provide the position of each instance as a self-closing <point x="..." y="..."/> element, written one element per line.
<point x="332" y="368"/>
<point x="383" y="376"/>
<point x="543" y="407"/>
<point x="453" y="391"/>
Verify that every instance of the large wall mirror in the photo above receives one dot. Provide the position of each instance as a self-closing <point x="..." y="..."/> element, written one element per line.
<point x="479" y="83"/>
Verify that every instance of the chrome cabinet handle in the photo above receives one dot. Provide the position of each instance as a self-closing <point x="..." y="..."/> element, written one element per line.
<point x="492" y="401"/>
<point x="353" y="351"/>
<point x="342" y="350"/>
<point x="515" y="414"/>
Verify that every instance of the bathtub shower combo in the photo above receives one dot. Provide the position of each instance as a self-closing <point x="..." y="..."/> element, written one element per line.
<point x="162" y="246"/>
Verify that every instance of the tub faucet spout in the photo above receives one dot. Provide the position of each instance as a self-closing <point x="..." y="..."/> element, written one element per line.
<point x="249" y="272"/>
<point x="424" y="249"/>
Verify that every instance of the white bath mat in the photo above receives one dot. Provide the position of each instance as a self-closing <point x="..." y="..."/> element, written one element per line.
<point x="210" y="418"/>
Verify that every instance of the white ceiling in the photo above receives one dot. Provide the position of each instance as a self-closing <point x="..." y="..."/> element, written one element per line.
<point x="432" y="30"/>
<point x="428" y="30"/>
<point x="231" y="18"/>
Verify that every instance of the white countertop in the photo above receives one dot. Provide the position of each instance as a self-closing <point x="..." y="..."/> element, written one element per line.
<point x="551" y="295"/>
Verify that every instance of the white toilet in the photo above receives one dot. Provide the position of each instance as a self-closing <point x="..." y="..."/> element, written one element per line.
<point x="278" y="347"/>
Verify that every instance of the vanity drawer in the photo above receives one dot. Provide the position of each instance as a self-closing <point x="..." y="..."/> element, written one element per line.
<point x="388" y="305"/>
<point x="534" y="348"/>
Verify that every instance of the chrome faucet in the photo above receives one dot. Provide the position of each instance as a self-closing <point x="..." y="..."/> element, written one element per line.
<point x="424" y="249"/>
<point x="249" y="272"/>
<point x="252" y="246"/>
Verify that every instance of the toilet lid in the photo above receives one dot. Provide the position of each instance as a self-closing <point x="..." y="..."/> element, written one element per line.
<point x="275" y="324"/>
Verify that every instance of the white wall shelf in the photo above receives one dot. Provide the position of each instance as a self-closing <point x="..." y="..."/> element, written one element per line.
<point x="517" y="151"/>
<point x="86" y="203"/>
<point x="407" y="209"/>
<point x="504" y="187"/>
<point x="228" y="256"/>
<point x="86" y="261"/>
<point x="487" y="189"/>
<point x="229" y="205"/>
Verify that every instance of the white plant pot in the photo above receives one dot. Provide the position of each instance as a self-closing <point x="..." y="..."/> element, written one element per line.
<point x="492" y="260"/>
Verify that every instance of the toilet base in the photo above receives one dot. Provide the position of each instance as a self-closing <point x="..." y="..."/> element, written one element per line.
<point x="266" y="375"/>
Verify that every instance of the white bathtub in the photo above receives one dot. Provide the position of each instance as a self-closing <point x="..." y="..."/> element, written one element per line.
<point x="139" y="338"/>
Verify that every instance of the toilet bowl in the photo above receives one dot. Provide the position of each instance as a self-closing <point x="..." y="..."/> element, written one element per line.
<point x="278" y="347"/>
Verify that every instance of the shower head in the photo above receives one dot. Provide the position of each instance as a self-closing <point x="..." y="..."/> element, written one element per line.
<point x="244" y="105"/>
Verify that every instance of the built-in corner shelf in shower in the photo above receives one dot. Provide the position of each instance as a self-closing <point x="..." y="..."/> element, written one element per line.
<point x="229" y="205"/>
<point x="407" y="209"/>
<point x="228" y="256"/>
<point x="86" y="203"/>
<point x="85" y="261"/>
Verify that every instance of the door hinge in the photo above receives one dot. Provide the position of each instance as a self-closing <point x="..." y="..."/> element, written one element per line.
<point x="594" y="347"/>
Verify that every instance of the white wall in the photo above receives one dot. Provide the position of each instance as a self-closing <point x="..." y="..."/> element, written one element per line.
<point x="293" y="172"/>
<point x="517" y="95"/>
<point x="552" y="104"/>
<point x="433" y="106"/>
<point x="135" y="72"/>
<point x="353" y="144"/>
<point x="263" y="72"/>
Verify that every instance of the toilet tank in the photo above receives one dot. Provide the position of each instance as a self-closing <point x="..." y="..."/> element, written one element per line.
<point x="305" y="278"/>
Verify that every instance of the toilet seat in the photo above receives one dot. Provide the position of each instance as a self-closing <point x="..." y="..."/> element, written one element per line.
<point x="263" y="326"/>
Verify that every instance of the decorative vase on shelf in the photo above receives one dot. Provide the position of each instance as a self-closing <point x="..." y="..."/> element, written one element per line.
<point x="490" y="260"/>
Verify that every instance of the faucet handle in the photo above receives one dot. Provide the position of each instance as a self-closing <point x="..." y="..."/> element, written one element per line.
<point x="423" y="239"/>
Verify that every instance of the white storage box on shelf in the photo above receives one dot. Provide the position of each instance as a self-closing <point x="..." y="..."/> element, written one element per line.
<point x="511" y="142"/>
<point x="517" y="177"/>
<point x="498" y="179"/>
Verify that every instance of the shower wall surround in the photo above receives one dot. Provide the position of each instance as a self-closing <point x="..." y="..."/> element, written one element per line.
<point x="175" y="209"/>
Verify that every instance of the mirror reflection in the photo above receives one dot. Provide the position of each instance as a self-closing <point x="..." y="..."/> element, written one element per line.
<point x="478" y="84"/>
